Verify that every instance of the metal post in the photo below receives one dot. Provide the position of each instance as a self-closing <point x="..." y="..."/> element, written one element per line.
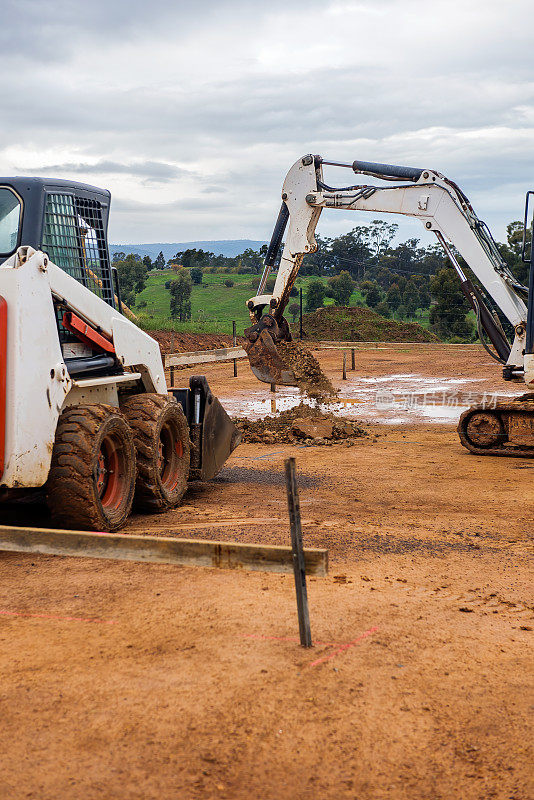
<point x="300" y="321"/>
<point x="235" y="343"/>
<point x="344" y="366"/>
<point x="299" y="565"/>
<point x="530" y="302"/>
<point x="353" y="359"/>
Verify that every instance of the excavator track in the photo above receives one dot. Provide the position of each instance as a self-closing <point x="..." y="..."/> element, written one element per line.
<point x="504" y="430"/>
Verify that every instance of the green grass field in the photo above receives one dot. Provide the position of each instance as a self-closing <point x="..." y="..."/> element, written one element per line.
<point x="213" y="305"/>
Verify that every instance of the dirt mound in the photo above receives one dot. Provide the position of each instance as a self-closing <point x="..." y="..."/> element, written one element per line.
<point x="361" y="325"/>
<point x="304" y="424"/>
<point x="173" y="342"/>
<point x="307" y="370"/>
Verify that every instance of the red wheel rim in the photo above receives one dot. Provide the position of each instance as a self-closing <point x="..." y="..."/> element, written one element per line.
<point x="171" y="453"/>
<point x="110" y="474"/>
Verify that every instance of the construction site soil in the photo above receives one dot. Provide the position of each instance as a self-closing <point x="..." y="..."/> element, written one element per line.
<point x="175" y="342"/>
<point x="126" y="680"/>
<point x="361" y="325"/>
<point x="303" y="423"/>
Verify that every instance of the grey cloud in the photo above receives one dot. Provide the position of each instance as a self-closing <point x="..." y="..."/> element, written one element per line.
<point x="154" y="171"/>
<point x="462" y="105"/>
<point x="58" y="28"/>
<point x="194" y="203"/>
<point x="214" y="189"/>
<point x="268" y="109"/>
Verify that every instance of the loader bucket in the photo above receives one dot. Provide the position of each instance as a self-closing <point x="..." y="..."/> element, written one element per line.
<point x="266" y="362"/>
<point x="212" y="433"/>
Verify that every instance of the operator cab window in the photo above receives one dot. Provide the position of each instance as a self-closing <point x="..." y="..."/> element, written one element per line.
<point x="74" y="239"/>
<point x="9" y="221"/>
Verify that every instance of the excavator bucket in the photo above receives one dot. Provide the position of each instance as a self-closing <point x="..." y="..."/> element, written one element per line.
<point x="266" y="362"/>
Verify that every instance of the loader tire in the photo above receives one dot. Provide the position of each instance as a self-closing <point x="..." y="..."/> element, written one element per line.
<point x="161" y="436"/>
<point x="91" y="482"/>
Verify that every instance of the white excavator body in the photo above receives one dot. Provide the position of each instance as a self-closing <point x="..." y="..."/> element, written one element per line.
<point x="445" y="211"/>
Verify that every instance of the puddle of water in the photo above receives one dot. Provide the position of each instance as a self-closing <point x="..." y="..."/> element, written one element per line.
<point x="390" y="399"/>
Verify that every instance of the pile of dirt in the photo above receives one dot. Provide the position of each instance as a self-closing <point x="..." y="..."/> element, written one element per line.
<point x="361" y="325"/>
<point x="307" y="370"/>
<point x="303" y="424"/>
<point x="174" y="342"/>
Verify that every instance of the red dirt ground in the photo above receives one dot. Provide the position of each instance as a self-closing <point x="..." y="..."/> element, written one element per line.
<point x="361" y="325"/>
<point x="173" y="342"/>
<point x="189" y="683"/>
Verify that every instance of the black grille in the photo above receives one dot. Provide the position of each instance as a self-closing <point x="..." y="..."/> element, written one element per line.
<point x="74" y="239"/>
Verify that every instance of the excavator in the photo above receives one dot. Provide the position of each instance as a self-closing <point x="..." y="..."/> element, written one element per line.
<point x="85" y="412"/>
<point x="506" y="429"/>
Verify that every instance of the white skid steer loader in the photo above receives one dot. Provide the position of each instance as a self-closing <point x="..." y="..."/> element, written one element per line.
<point x="85" y="413"/>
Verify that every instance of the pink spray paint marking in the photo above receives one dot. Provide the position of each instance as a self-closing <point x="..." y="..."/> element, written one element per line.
<point x="56" y="618"/>
<point x="343" y="647"/>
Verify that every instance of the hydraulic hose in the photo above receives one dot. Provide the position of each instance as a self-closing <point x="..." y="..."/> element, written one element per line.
<point x="274" y="244"/>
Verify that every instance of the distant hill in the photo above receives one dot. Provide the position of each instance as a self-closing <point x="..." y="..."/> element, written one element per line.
<point x="223" y="247"/>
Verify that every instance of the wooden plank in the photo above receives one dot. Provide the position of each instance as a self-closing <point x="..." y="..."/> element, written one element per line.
<point x="230" y="353"/>
<point x="159" y="550"/>
<point x="204" y="356"/>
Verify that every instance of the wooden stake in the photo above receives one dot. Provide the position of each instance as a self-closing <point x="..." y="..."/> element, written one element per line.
<point x="299" y="565"/>
<point x="273" y="387"/>
<point x="353" y="359"/>
<point x="344" y="366"/>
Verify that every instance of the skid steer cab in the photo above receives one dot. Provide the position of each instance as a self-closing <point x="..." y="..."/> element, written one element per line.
<point x="85" y="412"/>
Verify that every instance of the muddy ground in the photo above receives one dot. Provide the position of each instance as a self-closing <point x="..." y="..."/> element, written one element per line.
<point x="147" y="681"/>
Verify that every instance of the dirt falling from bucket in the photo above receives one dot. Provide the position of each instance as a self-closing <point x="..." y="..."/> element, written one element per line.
<point x="307" y="370"/>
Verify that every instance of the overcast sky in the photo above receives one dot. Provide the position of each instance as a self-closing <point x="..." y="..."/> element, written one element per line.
<point x="191" y="113"/>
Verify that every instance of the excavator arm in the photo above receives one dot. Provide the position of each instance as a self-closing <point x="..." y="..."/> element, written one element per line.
<point x="426" y="194"/>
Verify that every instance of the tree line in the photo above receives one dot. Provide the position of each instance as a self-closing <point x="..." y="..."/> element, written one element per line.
<point x="394" y="280"/>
